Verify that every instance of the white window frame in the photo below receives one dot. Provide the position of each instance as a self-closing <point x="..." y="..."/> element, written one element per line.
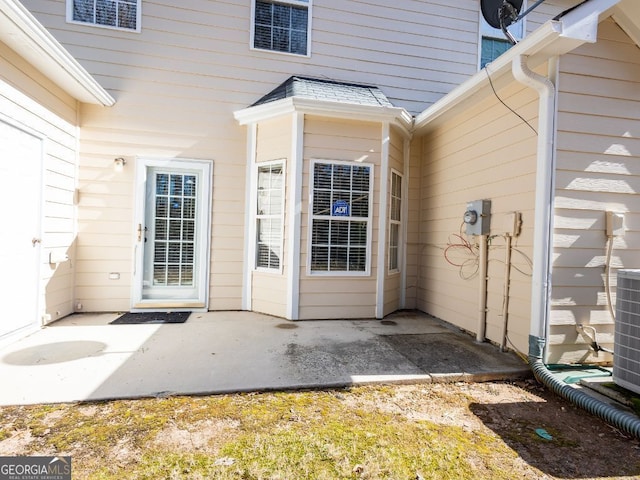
<point x="294" y="3"/>
<point x="395" y="222"/>
<point x="280" y="216"/>
<point x="518" y="30"/>
<point x="138" y="28"/>
<point x="368" y="220"/>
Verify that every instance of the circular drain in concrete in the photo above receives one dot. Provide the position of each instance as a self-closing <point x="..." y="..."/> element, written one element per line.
<point x="388" y="322"/>
<point x="287" y="326"/>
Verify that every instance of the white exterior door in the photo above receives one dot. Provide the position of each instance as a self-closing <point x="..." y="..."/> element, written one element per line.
<point x="20" y="241"/>
<point x="172" y="243"/>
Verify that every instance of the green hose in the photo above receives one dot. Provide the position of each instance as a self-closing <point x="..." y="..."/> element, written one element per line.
<point x="623" y="421"/>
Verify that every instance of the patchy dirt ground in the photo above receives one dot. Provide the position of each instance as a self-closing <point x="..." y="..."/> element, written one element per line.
<point x="503" y="419"/>
<point x="581" y="446"/>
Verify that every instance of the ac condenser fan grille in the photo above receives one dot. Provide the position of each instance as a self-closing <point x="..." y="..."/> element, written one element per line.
<point x="626" y="360"/>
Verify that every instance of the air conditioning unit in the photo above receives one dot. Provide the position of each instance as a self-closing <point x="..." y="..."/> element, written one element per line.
<point x="626" y="358"/>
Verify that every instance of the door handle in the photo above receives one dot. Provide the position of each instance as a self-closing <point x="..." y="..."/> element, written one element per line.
<point x="35" y="241"/>
<point x="140" y="230"/>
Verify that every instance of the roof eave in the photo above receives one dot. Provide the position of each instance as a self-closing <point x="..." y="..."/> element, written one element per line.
<point x="395" y="115"/>
<point x="553" y="38"/>
<point x="447" y="105"/>
<point x="20" y="30"/>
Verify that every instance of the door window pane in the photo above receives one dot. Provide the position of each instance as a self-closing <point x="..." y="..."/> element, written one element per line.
<point x="174" y="229"/>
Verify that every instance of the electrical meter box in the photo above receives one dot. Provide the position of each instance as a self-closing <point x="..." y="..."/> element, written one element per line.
<point x="477" y="217"/>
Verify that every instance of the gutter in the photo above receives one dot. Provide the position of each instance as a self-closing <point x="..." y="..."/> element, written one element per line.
<point x="553" y="38"/>
<point x="536" y="42"/>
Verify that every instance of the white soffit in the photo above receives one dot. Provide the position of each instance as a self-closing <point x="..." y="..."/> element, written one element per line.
<point x="20" y="31"/>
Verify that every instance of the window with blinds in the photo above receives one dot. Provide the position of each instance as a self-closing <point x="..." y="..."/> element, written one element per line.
<point x="341" y="217"/>
<point x="281" y="26"/>
<point x="270" y="215"/>
<point x="124" y="14"/>
<point x="395" y="217"/>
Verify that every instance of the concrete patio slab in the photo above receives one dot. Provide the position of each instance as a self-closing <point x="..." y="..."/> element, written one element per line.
<point x="83" y="357"/>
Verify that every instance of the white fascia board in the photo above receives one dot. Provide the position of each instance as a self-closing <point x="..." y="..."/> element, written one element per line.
<point x="394" y="115"/>
<point x="250" y="115"/>
<point x="23" y="33"/>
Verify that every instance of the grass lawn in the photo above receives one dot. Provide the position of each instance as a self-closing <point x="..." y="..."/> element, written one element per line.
<point x="434" y="431"/>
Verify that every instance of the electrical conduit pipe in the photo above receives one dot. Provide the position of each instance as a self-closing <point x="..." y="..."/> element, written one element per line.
<point x="482" y="300"/>
<point x="624" y="421"/>
<point x="507" y="286"/>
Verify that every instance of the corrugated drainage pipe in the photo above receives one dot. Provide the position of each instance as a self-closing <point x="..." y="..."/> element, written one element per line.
<point x="624" y="421"/>
<point x="627" y="422"/>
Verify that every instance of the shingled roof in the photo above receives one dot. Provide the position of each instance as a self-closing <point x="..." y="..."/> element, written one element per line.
<point x="326" y="90"/>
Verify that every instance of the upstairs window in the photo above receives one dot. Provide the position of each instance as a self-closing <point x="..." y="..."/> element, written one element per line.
<point x="493" y="42"/>
<point x="123" y="14"/>
<point x="341" y="209"/>
<point x="281" y="26"/>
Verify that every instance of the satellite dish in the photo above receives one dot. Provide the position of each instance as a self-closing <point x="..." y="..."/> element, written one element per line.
<point x="500" y="13"/>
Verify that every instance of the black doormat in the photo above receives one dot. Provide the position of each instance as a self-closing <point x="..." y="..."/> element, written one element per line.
<point x="151" y="317"/>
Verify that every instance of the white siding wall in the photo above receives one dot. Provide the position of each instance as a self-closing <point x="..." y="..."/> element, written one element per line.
<point x="598" y="170"/>
<point x="485" y="153"/>
<point x="32" y="101"/>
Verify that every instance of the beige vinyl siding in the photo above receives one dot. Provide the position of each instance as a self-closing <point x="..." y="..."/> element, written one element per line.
<point x="412" y="243"/>
<point x="178" y="82"/>
<point x="32" y="101"/>
<point x="274" y="139"/>
<point x="545" y="11"/>
<point x="339" y="296"/>
<point x="414" y="51"/>
<point x="484" y="153"/>
<point x="269" y="289"/>
<point x="597" y="171"/>
<point x="269" y="294"/>
<point x="393" y="281"/>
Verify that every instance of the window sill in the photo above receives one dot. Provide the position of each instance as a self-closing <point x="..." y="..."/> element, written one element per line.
<point x="278" y="52"/>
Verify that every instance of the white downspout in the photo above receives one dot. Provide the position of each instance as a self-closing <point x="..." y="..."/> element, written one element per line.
<point x="540" y="288"/>
<point x="623" y="420"/>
